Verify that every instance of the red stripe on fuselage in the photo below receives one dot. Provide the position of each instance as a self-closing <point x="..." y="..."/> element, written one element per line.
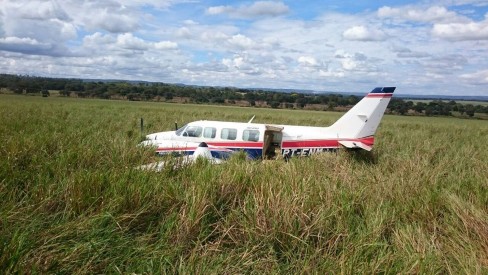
<point x="377" y="95"/>
<point x="324" y="143"/>
<point x="243" y="145"/>
<point x="223" y="145"/>
<point x="163" y="149"/>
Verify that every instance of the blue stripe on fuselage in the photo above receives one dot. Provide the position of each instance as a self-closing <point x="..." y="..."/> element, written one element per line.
<point x="251" y="153"/>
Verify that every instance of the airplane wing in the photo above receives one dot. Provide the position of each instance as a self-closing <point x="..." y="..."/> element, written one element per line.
<point x="201" y="152"/>
<point x="355" y="145"/>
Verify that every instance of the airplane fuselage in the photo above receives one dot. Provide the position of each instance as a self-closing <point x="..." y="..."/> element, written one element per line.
<point x="257" y="140"/>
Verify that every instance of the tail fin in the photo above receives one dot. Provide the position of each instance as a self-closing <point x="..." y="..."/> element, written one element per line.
<point x="363" y="119"/>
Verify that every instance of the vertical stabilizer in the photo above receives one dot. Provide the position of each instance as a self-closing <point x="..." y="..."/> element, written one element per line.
<point x="364" y="118"/>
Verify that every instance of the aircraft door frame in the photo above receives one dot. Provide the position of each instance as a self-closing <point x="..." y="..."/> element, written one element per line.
<point x="272" y="140"/>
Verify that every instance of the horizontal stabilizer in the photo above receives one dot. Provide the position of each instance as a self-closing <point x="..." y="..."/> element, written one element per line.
<point x="355" y="145"/>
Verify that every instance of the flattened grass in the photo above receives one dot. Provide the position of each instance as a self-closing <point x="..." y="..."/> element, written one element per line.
<point x="73" y="202"/>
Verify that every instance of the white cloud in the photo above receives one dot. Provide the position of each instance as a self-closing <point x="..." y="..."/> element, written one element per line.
<point x="241" y="41"/>
<point x="462" y="31"/>
<point x="160" y="4"/>
<point x="349" y="64"/>
<point x="166" y="45"/>
<point x="235" y="62"/>
<point x="219" y="9"/>
<point x="21" y="43"/>
<point x="214" y="36"/>
<point x="41" y="10"/>
<point x="307" y="61"/>
<point x="115" y="22"/>
<point x="361" y="33"/>
<point x="257" y="9"/>
<point x="129" y="41"/>
<point x="31" y="46"/>
<point x="477" y="78"/>
<point x="334" y="74"/>
<point x="42" y="21"/>
<point x="420" y="14"/>
<point x="98" y="39"/>
<point x="357" y="63"/>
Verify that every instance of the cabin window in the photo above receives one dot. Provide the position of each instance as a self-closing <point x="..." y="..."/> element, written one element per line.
<point x="179" y="131"/>
<point x="209" y="132"/>
<point x="250" y="135"/>
<point x="228" y="133"/>
<point x="193" y="131"/>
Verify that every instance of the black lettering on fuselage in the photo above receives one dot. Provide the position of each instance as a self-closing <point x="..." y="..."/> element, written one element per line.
<point x="292" y="152"/>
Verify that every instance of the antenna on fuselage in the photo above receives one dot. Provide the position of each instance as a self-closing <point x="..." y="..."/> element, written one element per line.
<point x="252" y="118"/>
<point x="176" y="125"/>
<point x="142" y="127"/>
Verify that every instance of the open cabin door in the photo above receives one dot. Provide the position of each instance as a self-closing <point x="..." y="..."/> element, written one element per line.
<point x="272" y="141"/>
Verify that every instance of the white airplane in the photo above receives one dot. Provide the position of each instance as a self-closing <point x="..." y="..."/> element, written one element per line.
<point x="354" y="130"/>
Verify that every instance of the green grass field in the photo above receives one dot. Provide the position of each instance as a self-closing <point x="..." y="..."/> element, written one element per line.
<point x="74" y="202"/>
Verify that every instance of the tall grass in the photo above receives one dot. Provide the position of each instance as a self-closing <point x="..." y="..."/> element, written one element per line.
<point x="74" y="202"/>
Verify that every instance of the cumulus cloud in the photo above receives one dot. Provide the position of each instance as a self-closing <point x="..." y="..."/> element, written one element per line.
<point x="361" y="33"/>
<point x="160" y="4"/>
<point x="31" y="46"/>
<point x="418" y="14"/>
<point x="20" y="44"/>
<point x="235" y="62"/>
<point x="126" y="41"/>
<point x="40" y="10"/>
<point x="166" y="45"/>
<point x="357" y="62"/>
<point x="35" y="28"/>
<point x="42" y="21"/>
<point x="330" y="73"/>
<point x="98" y="39"/>
<point x="111" y="19"/>
<point x="241" y="41"/>
<point x="242" y="64"/>
<point x="257" y="9"/>
<point x="307" y="61"/>
<point x="462" y="31"/>
<point x="130" y="42"/>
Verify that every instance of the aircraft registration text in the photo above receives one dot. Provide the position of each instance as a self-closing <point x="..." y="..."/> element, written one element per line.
<point x="291" y="152"/>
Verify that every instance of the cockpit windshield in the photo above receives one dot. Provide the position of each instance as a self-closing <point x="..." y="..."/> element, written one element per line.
<point x="179" y="131"/>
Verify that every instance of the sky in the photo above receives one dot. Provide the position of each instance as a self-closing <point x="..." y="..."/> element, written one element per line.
<point x="421" y="47"/>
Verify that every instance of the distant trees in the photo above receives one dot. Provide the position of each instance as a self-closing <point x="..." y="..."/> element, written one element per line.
<point x="45" y="93"/>
<point x="136" y="91"/>
<point x="274" y="104"/>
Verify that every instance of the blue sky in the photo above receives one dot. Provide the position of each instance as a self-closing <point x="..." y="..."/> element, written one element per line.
<point x="422" y="47"/>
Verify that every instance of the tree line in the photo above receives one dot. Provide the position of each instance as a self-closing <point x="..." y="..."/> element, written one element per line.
<point x="148" y="91"/>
